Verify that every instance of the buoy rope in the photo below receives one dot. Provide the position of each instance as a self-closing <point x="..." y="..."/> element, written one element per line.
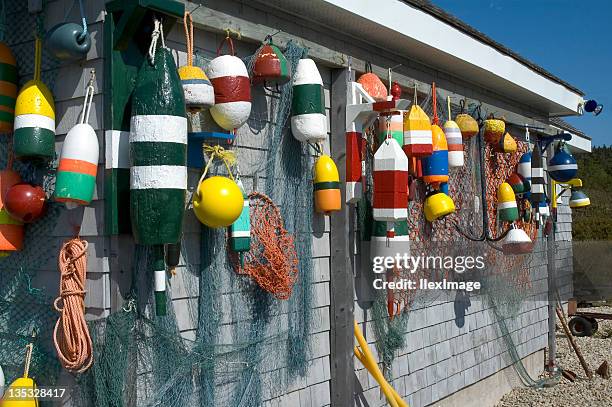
<point x="28" y="360"/>
<point x="82" y="35"/>
<point x="228" y="39"/>
<point x="227" y="156"/>
<point x="188" y="24"/>
<point x="71" y="335"/>
<point x="156" y="35"/>
<point x="448" y="104"/>
<point x="434" y="102"/>
<point x="37" y="58"/>
<point x="89" y="93"/>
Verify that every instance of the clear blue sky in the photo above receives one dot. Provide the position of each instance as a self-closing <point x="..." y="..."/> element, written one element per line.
<point x="569" y="38"/>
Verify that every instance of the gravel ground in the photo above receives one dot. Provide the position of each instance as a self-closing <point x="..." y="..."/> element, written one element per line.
<point x="582" y="392"/>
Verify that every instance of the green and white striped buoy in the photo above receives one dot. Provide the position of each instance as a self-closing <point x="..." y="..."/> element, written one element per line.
<point x="158" y="152"/>
<point x="158" y="159"/>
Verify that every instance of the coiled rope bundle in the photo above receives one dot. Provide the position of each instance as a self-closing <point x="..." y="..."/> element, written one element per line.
<point x="71" y="336"/>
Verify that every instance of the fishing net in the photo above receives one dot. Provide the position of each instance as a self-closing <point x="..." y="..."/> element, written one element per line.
<point x="26" y="311"/>
<point x="506" y="280"/>
<point x="247" y="336"/>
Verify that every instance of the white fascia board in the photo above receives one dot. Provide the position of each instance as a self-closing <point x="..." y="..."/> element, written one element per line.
<point x="577" y="143"/>
<point x="431" y="32"/>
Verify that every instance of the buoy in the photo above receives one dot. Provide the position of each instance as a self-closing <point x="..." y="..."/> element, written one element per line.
<point x="453" y="139"/>
<point x="78" y="165"/>
<point x="524" y="170"/>
<point x="417" y="133"/>
<point x="198" y="91"/>
<point x="355" y="150"/>
<point x="579" y="199"/>
<point x="506" y="144"/>
<point x="11" y="229"/>
<point x="391" y="124"/>
<point x="240" y="230"/>
<point x="396" y="91"/>
<point x="467" y="124"/>
<point x="517" y="242"/>
<point x="543" y="209"/>
<point x="381" y="245"/>
<point x="326" y="185"/>
<point x="435" y="167"/>
<point x="230" y="79"/>
<point x="25" y="202"/>
<point x="506" y="203"/>
<point x="158" y="150"/>
<point x="308" y="120"/>
<point x="271" y="68"/>
<point x="8" y="88"/>
<point x="537" y="176"/>
<point x="34" y="137"/>
<point x="20" y="393"/>
<point x="455" y="144"/>
<point x="68" y="41"/>
<point x="562" y="167"/>
<point x="438" y="205"/>
<point x="372" y="84"/>
<point x="518" y="183"/>
<point x="172" y="255"/>
<point x="218" y="202"/>
<point x="494" y="130"/>
<point x="390" y="174"/>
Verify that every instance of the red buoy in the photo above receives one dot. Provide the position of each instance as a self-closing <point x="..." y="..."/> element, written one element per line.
<point x="25" y="202"/>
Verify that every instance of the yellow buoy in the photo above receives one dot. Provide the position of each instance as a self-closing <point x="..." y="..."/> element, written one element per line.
<point x="326" y="185"/>
<point x="494" y="130"/>
<point x="218" y="202"/>
<point x="34" y="136"/>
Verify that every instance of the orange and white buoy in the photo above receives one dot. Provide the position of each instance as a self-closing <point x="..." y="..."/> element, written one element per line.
<point x="78" y="165"/>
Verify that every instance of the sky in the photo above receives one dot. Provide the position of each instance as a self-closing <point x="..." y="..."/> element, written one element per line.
<point x="572" y="39"/>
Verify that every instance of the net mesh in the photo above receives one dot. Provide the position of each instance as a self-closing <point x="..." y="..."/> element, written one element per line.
<point x="506" y="280"/>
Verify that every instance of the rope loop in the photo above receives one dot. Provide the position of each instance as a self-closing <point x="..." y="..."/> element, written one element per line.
<point x="227" y="156"/>
<point x="156" y="35"/>
<point x="188" y="25"/>
<point x="89" y="93"/>
<point x="228" y="40"/>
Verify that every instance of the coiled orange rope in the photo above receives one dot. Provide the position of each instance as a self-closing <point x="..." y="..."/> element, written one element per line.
<point x="71" y="336"/>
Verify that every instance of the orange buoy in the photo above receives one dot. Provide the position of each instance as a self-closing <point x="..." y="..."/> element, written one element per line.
<point x="11" y="229"/>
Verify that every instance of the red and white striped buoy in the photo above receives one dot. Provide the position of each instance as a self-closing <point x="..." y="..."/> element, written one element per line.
<point x="232" y="85"/>
<point x="390" y="203"/>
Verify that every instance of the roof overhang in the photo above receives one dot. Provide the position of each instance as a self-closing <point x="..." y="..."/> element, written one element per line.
<point x="413" y="33"/>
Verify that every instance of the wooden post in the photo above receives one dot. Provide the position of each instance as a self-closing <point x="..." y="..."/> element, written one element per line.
<point x="572" y="342"/>
<point x="342" y="260"/>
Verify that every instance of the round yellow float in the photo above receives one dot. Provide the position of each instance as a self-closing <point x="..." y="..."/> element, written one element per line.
<point x="218" y="202"/>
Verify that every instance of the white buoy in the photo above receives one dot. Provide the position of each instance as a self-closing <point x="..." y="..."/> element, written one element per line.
<point x="232" y="85"/>
<point x="308" y="121"/>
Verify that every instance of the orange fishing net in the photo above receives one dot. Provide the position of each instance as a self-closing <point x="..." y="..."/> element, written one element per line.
<point x="272" y="260"/>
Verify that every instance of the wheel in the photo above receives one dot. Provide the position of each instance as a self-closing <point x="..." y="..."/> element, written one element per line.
<point x="594" y="324"/>
<point x="580" y="326"/>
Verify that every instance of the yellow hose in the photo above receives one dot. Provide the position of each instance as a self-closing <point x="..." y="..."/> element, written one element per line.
<point x="365" y="356"/>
